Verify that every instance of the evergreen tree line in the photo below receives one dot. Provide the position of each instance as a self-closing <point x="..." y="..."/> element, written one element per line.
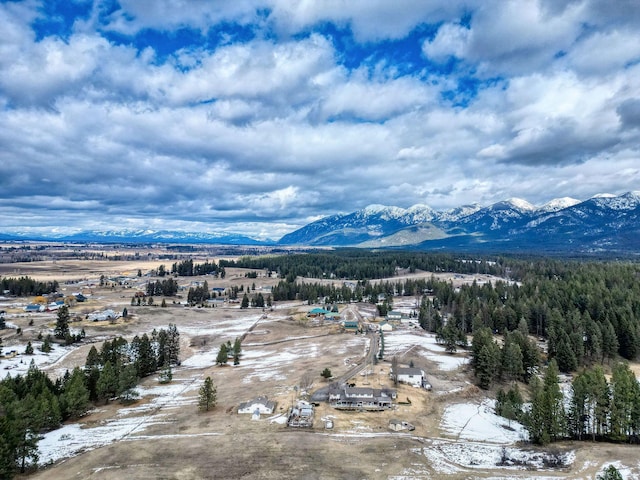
<point x="363" y="290"/>
<point x="199" y="294"/>
<point x="167" y="288"/>
<point x="187" y="268"/>
<point x="33" y="404"/>
<point x="26" y="286"/>
<point x="361" y="264"/>
<point x="594" y="408"/>
<point x="590" y="314"/>
<point x="516" y="359"/>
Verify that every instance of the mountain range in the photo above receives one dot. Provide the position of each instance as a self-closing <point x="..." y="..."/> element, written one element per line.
<point x="137" y="236"/>
<point x="602" y="224"/>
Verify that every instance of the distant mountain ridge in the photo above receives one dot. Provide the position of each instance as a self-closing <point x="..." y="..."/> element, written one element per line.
<point x="139" y="236"/>
<point x="603" y="223"/>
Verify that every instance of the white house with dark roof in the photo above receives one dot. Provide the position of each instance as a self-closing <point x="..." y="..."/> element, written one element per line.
<point x="411" y="376"/>
<point x="361" y="398"/>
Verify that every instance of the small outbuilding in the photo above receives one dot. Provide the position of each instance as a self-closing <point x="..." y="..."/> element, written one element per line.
<point x="399" y="425"/>
<point x="385" y="326"/>
<point x="102" y="316"/>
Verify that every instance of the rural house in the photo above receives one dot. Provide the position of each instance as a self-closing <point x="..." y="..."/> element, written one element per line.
<point x="411" y="376"/>
<point x="385" y="326"/>
<point x="361" y="398"/>
<point x="261" y="404"/>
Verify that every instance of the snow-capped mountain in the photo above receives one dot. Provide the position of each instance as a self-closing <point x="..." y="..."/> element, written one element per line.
<point x="604" y="223"/>
<point x="600" y="224"/>
<point x="558" y="204"/>
<point x="374" y="221"/>
<point x="138" y="236"/>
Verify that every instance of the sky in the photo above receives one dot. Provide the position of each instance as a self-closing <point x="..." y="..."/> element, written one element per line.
<point x="260" y="116"/>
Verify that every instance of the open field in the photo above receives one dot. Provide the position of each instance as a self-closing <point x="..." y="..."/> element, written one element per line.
<point x="164" y="436"/>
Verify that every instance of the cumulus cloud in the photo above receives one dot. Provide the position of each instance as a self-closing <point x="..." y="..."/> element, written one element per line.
<point x="102" y="127"/>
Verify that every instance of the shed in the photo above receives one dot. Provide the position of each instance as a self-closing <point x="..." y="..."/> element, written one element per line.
<point x="399" y="425"/>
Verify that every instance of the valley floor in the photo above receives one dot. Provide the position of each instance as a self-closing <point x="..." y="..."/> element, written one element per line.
<point x="164" y="436"/>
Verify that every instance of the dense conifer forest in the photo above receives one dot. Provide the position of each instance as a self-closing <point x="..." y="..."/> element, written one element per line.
<point x="34" y="404"/>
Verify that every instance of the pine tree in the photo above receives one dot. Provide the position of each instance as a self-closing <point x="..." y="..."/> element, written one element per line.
<point x="166" y="375"/>
<point x="245" y="301"/>
<point x="92" y="367"/>
<point x="76" y="394"/>
<point x="546" y="419"/>
<point x="610" y="473"/>
<point x="553" y="403"/>
<point x="565" y="353"/>
<point x="487" y="365"/>
<point x="46" y="344"/>
<point x="107" y="384"/>
<point x="223" y="355"/>
<point x="237" y="350"/>
<point x="173" y="345"/>
<point x="535" y="417"/>
<point x="625" y="394"/>
<point x="512" y="365"/>
<point x="61" y="330"/>
<point x="127" y="381"/>
<point x="609" y="341"/>
<point x="208" y="395"/>
<point x="146" y="359"/>
<point x="481" y="337"/>
<point x="28" y="350"/>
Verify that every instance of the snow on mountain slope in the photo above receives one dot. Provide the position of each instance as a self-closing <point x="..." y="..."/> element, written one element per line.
<point x="558" y="204"/>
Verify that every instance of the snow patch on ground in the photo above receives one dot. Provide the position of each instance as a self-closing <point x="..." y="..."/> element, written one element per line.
<point x="424" y="344"/>
<point x="76" y="438"/>
<point x="269" y="365"/>
<point x="471" y="421"/>
<point x="19" y="364"/>
<point x="447" y="457"/>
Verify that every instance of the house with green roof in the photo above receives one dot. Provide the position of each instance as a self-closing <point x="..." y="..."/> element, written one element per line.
<point x="351" y="326"/>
